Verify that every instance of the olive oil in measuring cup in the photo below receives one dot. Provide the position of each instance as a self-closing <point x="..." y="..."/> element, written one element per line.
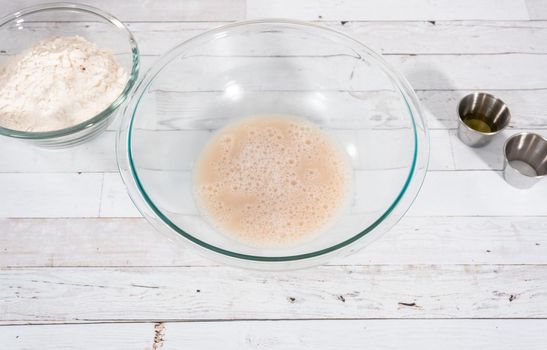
<point x="476" y="122"/>
<point x="481" y="117"/>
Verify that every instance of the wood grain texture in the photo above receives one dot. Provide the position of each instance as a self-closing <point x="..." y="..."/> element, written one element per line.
<point x="386" y="37"/>
<point x="94" y="156"/>
<point x="470" y="193"/>
<point x="388" y="10"/>
<point x="131" y="242"/>
<point x="425" y="72"/>
<point x="37" y="195"/>
<point x="150" y="11"/>
<point x="452" y="186"/>
<point x="510" y="71"/>
<point x="98" y="155"/>
<point x="389" y="37"/>
<point x="32" y="295"/>
<point x="50" y="195"/>
<point x="217" y="10"/>
<point x="377" y="334"/>
<point x="121" y="336"/>
<point x="527" y="107"/>
<point x="284" y="335"/>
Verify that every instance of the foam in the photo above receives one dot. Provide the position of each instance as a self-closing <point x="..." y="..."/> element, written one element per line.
<point x="271" y="180"/>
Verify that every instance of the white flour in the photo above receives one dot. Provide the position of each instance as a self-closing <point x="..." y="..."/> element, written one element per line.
<point x="58" y="83"/>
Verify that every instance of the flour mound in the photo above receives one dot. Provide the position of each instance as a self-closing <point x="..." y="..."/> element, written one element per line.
<point x="58" y="83"/>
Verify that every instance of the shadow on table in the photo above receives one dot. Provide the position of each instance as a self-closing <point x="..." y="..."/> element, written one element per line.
<point x="440" y="107"/>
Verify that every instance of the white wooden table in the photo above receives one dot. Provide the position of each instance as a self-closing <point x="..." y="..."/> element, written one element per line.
<point x="465" y="269"/>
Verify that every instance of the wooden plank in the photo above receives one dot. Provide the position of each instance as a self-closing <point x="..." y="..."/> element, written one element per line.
<point x="217" y="10"/>
<point x="77" y="195"/>
<point x="111" y="242"/>
<point x="453" y="187"/>
<point x="527" y="107"/>
<point x="426" y="72"/>
<point x="457" y="240"/>
<point x="510" y="71"/>
<point x="387" y="37"/>
<point x="32" y="195"/>
<point x="168" y="144"/>
<point x="334" y="110"/>
<point x="89" y="336"/>
<point x="97" y="155"/>
<point x="50" y="195"/>
<point x="285" y="335"/>
<point x="476" y="193"/>
<point x="165" y="10"/>
<point x="388" y="10"/>
<point x="447" y="37"/>
<point x="424" y="37"/>
<point x="37" y="295"/>
<point x="89" y="242"/>
<point x="353" y="334"/>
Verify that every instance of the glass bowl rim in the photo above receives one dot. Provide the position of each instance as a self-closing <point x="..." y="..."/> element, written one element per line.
<point x="402" y="85"/>
<point x="104" y="114"/>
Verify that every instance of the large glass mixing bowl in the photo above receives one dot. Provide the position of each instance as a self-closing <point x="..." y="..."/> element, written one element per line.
<point x="280" y="67"/>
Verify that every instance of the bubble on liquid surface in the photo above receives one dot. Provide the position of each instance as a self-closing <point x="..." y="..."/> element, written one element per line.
<point x="271" y="180"/>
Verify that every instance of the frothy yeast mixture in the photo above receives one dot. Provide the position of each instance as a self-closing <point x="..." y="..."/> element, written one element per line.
<point x="271" y="180"/>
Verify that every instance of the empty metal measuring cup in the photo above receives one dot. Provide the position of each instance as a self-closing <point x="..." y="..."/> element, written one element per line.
<point x="481" y="117"/>
<point x="525" y="159"/>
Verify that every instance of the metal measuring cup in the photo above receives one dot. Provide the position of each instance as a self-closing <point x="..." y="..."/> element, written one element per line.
<point x="481" y="117"/>
<point x="525" y="159"/>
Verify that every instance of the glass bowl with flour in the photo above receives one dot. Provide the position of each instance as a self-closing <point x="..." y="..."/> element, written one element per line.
<point x="64" y="71"/>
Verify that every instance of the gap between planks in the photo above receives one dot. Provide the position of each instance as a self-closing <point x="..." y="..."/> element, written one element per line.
<point x="84" y="322"/>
